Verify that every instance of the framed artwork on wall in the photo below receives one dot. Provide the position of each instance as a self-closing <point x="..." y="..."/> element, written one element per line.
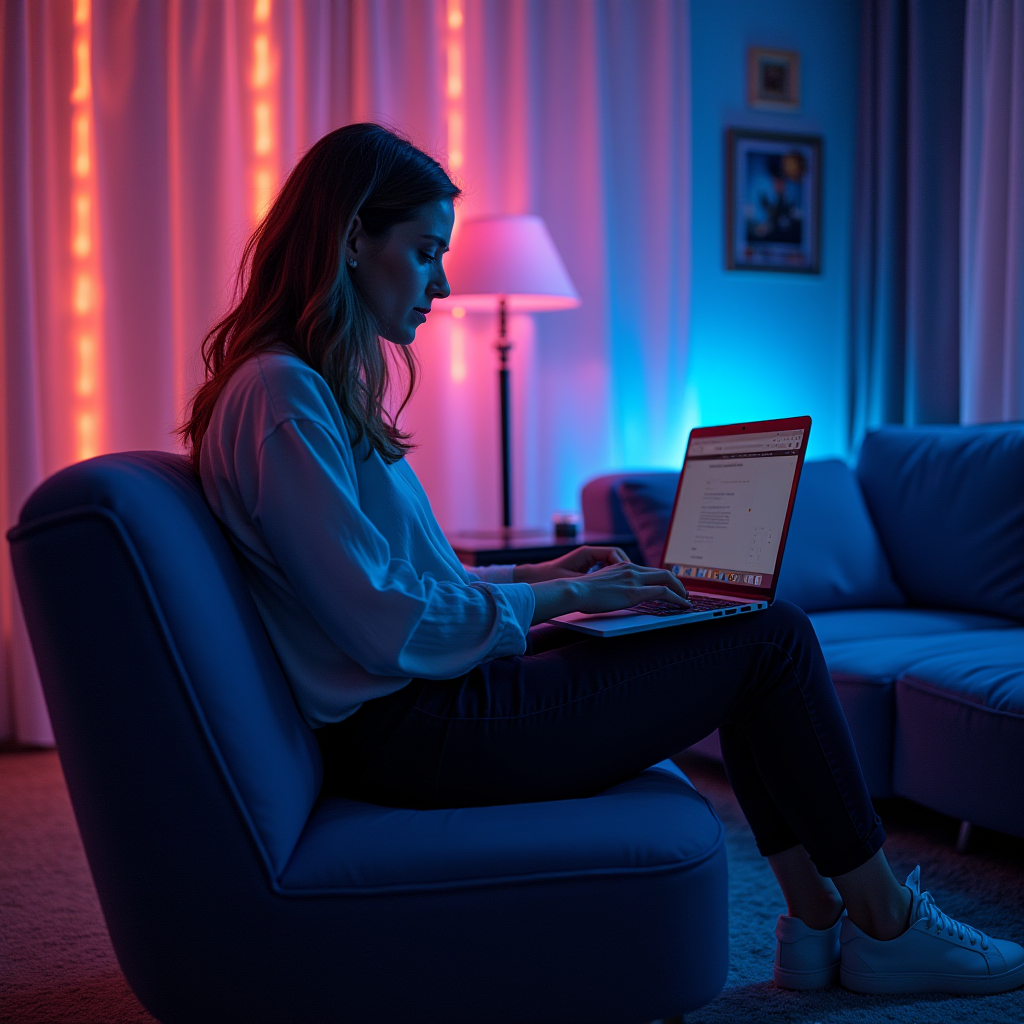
<point x="773" y="202"/>
<point x="773" y="79"/>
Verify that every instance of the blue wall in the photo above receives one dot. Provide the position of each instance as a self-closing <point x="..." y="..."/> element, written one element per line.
<point x="770" y="344"/>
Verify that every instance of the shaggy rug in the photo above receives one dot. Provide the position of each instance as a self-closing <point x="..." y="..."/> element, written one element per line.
<point x="57" y="965"/>
<point x="984" y="887"/>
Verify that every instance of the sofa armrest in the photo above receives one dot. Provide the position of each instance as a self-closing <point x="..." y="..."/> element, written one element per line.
<point x="602" y="510"/>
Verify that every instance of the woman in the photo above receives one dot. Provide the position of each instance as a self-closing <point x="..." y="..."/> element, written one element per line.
<point x="425" y="683"/>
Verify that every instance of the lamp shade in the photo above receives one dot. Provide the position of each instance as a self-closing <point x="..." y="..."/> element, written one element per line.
<point x="507" y="257"/>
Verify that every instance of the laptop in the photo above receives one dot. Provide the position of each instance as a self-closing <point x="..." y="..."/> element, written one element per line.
<point x="728" y="528"/>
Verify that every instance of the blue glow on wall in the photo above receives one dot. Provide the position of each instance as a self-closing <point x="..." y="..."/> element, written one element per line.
<point x="762" y="344"/>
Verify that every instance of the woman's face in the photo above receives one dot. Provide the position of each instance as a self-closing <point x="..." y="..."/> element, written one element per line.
<point x="401" y="274"/>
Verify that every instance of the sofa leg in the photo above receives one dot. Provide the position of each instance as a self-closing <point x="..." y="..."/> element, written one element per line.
<point x="963" y="839"/>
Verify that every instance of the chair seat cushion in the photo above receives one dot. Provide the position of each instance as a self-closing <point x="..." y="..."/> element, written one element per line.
<point x="959" y="738"/>
<point x="651" y="823"/>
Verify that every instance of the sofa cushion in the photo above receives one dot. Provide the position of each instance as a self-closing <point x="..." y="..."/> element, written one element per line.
<point x="959" y="738"/>
<point x="833" y="557"/>
<point x="871" y="623"/>
<point x="867" y="650"/>
<point x="991" y="676"/>
<point x="949" y="507"/>
<point x="887" y="657"/>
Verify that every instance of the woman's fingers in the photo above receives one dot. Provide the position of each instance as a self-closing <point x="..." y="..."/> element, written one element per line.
<point x="624" y="585"/>
<point x="605" y="556"/>
<point x="661" y="577"/>
<point x="666" y="594"/>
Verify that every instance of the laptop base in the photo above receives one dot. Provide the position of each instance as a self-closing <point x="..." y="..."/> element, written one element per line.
<point x="622" y="622"/>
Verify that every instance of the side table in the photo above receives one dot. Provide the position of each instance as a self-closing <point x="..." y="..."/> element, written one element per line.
<point x="520" y="550"/>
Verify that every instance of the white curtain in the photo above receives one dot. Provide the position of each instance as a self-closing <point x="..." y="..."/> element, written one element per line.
<point x="577" y="110"/>
<point x="992" y="214"/>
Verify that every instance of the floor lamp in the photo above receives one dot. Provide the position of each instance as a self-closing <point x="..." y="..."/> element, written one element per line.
<point x="510" y="265"/>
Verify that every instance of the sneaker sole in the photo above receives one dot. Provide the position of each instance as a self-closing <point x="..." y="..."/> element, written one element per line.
<point x="956" y="984"/>
<point x="805" y="980"/>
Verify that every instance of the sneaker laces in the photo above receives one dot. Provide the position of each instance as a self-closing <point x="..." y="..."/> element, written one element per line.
<point x="933" y="916"/>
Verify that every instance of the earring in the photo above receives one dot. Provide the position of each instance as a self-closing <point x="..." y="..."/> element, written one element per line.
<point x="352" y="264"/>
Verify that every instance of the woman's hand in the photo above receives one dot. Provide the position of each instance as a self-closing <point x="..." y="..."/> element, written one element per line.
<point x="575" y="563"/>
<point x="619" y="585"/>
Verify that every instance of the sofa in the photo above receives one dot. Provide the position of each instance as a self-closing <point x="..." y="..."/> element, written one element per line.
<point x="910" y="565"/>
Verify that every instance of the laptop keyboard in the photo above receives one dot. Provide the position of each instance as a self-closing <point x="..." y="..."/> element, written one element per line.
<point x="697" y="601"/>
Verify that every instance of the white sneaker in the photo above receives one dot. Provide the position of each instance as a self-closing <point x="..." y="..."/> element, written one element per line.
<point x="806" y="957"/>
<point x="935" y="954"/>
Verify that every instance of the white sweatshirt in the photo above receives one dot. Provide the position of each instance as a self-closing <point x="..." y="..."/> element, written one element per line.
<point x="356" y="584"/>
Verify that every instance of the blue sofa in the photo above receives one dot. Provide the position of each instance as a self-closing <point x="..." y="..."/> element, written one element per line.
<point x="911" y="567"/>
<point x="235" y="892"/>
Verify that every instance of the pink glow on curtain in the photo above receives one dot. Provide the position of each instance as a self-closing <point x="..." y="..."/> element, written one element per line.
<point x="577" y="111"/>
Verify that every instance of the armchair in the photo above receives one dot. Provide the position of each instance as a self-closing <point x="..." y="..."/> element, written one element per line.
<point x="234" y="892"/>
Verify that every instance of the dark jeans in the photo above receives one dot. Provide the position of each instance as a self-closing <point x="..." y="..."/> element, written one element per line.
<point x="575" y="715"/>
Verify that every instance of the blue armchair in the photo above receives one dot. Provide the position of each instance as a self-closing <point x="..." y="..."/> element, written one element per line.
<point x="234" y="892"/>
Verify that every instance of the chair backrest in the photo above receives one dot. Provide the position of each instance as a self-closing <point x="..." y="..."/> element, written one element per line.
<point x="142" y="626"/>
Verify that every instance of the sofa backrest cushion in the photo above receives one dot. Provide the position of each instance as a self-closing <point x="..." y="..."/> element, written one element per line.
<point x="948" y="503"/>
<point x="833" y="557"/>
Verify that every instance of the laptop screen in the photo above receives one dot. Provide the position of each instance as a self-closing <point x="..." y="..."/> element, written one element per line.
<point x="733" y="505"/>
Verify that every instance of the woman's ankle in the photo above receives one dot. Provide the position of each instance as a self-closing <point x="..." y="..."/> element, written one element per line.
<point x="877" y="903"/>
<point x="820" y="916"/>
<point x="810" y="897"/>
<point x="884" y="923"/>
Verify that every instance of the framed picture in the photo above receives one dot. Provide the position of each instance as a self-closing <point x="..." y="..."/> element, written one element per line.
<point x="773" y="79"/>
<point x="773" y="202"/>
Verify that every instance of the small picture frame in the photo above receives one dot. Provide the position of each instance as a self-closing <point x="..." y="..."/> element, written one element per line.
<point x="773" y="79"/>
<point x="773" y="202"/>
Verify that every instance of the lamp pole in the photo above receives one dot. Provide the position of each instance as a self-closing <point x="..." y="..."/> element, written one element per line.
<point x="503" y="346"/>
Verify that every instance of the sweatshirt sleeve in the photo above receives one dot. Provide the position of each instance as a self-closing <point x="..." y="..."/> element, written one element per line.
<point x="376" y="608"/>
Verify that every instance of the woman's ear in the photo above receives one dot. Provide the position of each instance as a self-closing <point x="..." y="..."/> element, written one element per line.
<point x="355" y="240"/>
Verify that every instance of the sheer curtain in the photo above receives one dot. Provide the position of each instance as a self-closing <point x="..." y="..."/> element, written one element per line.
<point x="119" y="238"/>
<point x="938" y="314"/>
<point x="992" y="214"/>
<point x="905" y="346"/>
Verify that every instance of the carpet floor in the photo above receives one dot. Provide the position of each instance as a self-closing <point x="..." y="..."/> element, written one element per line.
<point x="57" y="965"/>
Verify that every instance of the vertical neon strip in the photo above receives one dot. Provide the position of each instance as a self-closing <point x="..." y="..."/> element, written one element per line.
<point x="264" y="165"/>
<point x="85" y="339"/>
<point x="455" y="51"/>
<point x="457" y="339"/>
<point x="455" y="113"/>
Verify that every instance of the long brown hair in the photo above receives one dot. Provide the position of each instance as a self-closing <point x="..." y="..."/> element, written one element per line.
<point x="293" y="286"/>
